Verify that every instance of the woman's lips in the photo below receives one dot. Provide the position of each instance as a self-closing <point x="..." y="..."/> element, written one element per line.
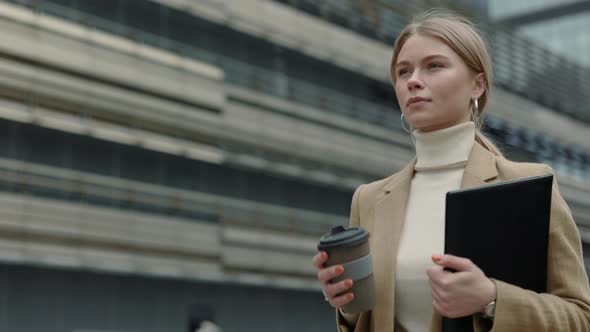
<point x="417" y="100"/>
<point x="418" y="103"/>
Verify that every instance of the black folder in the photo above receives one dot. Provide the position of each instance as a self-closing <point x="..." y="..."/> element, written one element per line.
<point x="504" y="229"/>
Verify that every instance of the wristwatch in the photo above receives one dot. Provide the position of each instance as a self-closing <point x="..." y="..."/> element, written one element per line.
<point x="489" y="310"/>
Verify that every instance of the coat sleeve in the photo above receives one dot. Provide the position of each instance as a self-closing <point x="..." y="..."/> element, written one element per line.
<point x="566" y="305"/>
<point x="348" y="322"/>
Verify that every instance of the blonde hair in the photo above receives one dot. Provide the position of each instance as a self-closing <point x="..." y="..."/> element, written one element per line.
<point x="462" y="36"/>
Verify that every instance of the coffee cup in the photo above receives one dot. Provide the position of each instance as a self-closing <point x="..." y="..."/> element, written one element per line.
<point x="350" y="248"/>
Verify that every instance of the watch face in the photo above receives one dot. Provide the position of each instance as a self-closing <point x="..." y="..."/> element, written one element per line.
<point x="491" y="309"/>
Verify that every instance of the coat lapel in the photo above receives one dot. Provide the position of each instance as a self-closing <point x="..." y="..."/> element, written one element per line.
<point x="390" y="210"/>
<point x="480" y="168"/>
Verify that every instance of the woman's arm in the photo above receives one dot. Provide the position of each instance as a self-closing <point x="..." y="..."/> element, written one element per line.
<point x="566" y="305"/>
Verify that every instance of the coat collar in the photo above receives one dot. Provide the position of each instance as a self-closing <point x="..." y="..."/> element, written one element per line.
<point x="401" y="176"/>
<point x="480" y="168"/>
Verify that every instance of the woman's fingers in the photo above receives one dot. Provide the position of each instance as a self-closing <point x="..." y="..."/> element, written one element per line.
<point x="329" y="273"/>
<point x="319" y="259"/>
<point x="332" y="290"/>
<point x="437" y="295"/>
<point x="454" y="262"/>
<point x="341" y="300"/>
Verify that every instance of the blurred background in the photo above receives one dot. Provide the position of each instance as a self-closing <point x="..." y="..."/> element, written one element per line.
<point x="169" y="165"/>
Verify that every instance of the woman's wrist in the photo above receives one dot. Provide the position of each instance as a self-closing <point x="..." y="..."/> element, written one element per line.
<point x="494" y="292"/>
<point x="489" y="310"/>
<point x="489" y="293"/>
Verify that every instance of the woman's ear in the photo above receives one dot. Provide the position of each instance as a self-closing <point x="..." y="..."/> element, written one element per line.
<point x="479" y="85"/>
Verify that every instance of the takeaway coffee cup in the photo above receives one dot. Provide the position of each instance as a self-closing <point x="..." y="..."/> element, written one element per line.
<point x="350" y="248"/>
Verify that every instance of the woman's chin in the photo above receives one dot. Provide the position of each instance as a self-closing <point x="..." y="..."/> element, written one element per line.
<point x="419" y="121"/>
<point x="426" y="126"/>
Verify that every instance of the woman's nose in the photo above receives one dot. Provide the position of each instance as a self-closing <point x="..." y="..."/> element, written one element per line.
<point x="414" y="82"/>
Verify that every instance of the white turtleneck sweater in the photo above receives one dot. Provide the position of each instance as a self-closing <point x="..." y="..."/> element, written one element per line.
<point x="441" y="159"/>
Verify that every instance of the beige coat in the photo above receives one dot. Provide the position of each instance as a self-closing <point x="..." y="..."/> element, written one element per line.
<point x="380" y="208"/>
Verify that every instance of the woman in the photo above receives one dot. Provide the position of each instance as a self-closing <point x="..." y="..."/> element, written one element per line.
<point x="442" y="76"/>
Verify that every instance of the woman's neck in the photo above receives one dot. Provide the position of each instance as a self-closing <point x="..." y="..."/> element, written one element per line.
<point x="445" y="146"/>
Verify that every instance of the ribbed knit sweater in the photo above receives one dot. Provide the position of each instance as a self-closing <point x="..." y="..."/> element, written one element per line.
<point x="441" y="159"/>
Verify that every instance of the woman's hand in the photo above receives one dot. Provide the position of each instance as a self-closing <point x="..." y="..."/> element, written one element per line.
<point x="461" y="293"/>
<point x="332" y="291"/>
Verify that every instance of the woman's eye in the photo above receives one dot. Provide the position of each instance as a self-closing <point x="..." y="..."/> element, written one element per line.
<point x="434" y="65"/>
<point x="402" y="72"/>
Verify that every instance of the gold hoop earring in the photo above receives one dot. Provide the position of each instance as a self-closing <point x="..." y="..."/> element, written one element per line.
<point x="475" y="111"/>
<point x="409" y="131"/>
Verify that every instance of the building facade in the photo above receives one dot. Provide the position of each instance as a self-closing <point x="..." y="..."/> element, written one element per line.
<point x="170" y="162"/>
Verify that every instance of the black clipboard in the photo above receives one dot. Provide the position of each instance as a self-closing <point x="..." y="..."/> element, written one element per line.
<point x="504" y="229"/>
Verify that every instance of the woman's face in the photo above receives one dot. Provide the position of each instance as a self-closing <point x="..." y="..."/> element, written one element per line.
<point x="433" y="85"/>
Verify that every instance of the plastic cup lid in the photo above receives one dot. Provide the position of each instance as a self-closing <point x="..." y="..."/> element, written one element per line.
<point x="343" y="237"/>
